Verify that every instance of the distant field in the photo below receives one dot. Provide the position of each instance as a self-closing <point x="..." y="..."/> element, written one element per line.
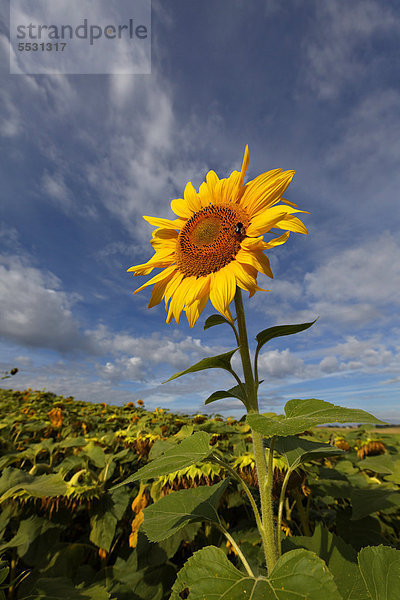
<point x="377" y="430"/>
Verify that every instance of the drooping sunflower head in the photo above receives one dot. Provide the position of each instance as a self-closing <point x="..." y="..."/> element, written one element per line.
<point x="217" y="241"/>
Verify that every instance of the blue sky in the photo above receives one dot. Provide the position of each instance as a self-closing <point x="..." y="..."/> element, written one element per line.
<point x="309" y="85"/>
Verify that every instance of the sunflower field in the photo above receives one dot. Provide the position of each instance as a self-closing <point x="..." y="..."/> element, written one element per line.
<point x="70" y="530"/>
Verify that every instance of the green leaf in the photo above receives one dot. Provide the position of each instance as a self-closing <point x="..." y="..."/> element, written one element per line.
<point x="62" y="588"/>
<point x="340" y="558"/>
<point x="221" y="361"/>
<point x="28" y="531"/>
<point x="4" y="569"/>
<point x="303" y="414"/>
<point x="272" y="332"/>
<point x="364" y="532"/>
<point x="95" y="454"/>
<point x="299" y="450"/>
<point x="366" y="501"/>
<point x="234" y="392"/>
<point x="102" y="529"/>
<point x="129" y="582"/>
<point x="383" y="464"/>
<point x="215" y="320"/>
<point x="191" y="450"/>
<point x="38" y="487"/>
<point x="298" y="574"/>
<point x="120" y="500"/>
<point x="65" y="559"/>
<point x="380" y="569"/>
<point x="172" y="512"/>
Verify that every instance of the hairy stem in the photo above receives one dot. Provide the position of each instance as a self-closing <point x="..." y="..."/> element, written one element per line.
<point x="267" y="531"/>
<point x="245" y="487"/>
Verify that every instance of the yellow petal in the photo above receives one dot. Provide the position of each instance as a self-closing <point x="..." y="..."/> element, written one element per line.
<point x="256" y="243"/>
<point x="246" y="279"/>
<point x="245" y="164"/>
<point x="292" y="224"/>
<point x="212" y="179"/>
<point x="278" y="240"/>
<point x="288" y="202"/>
<point x="263" y="223"/>
<point x="191" y="197"/>
<point x="219" y="196"/>
<point x="159" y="244"/>
<point x="181" y="208"/>
<point x="205" y="195"/>
<point x="158" y="292"/>
<point x="163" y="256"/>
<point x="195" y="309"/>
<point x="277" y="209"/>
<point x="258" y="260"/>
<point x="231" y="187"/>
<point x="179" y="298"/>
<point x="222" y="292"/>
<point x="199" y="287"/>
<point x="166" y="273"/>
<point x="165" y="234"/>
<point x="268" y="193"/>
<point x="243" y="278"/>
<point x="206" y="189"/>
<point x="165" y="223"/>
<point x="254" y="188"/>
<point x="172" y="285"/>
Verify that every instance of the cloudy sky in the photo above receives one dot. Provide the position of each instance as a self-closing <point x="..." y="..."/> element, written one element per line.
<point x="309" y="85"/>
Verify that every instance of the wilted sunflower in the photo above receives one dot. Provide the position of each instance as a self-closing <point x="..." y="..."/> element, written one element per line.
<point x="217" y="243"/>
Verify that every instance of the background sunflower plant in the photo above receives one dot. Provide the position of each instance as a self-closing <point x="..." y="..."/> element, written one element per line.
<point x="214" y="249"/>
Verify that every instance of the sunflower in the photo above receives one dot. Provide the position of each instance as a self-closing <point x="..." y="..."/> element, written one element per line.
<point x="216" y="242"/>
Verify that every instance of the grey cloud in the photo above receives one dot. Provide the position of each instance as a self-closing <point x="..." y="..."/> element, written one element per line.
<point x="35" y="311"/>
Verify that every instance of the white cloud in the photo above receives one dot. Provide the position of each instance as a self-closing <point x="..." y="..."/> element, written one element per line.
<point x="35" y="311"/>
<point x="280" y="364"/>
<point x="54" y="186"/>
<point x="355" y="287"/>
<point x="10" y="120"/>
<point x="367" y="152"/>
<point x="329" y="364"/>
<point x="336" y="48"/>
<point x="127" y="368"/>
<point x="365" y="353"/>
<point x="368" y="273"/>
<point x="152" y="350"/>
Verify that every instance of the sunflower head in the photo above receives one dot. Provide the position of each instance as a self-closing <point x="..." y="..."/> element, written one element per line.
<point x="217" y="241"/>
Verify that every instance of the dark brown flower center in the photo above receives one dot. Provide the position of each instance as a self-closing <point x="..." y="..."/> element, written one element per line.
<point x="211" y="239"/>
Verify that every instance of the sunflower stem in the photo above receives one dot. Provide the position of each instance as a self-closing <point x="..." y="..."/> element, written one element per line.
<point x="280" y="511"/>
<point x="267" y="530"/>
<point x="302" y="514"/>
<point x="236" y="547"/>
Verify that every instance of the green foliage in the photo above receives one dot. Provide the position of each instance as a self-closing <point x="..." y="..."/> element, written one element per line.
<point x="380" y="569"/>
<point x="191" y="450"/>
<point x="66" y="515"/>
<point x="340" y="558"/>
<point x="304" y="414"/>
<point x="297" y="574"/>
<point x="297" y="451"/>
<point x="213" y="320"/>
<point x="234" y="392"/>
<point x="221" y="361"/>
<point x="280" y="330"/>
<point x="175" y="511"/>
